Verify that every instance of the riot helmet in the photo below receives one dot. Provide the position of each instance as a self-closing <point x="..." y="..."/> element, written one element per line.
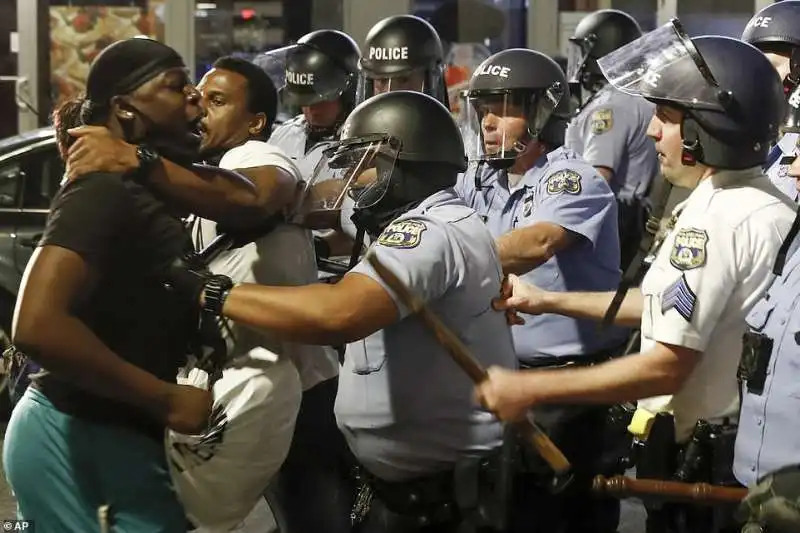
<point x="402" y="52"/>
<point x="321" y="67"/>
<point x="731" y="97"/>
<point x="775" y="29"/>
<point x="596" y="35"/>
<point x="516" y="96"/>
<point x="395" y="150"/>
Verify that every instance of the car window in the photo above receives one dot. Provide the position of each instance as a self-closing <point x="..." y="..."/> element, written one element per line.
<point x="43" y="172"/>
<point x="10" y="184"/>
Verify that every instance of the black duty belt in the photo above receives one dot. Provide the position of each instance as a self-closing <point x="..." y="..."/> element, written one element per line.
<point x="573" y="360"/>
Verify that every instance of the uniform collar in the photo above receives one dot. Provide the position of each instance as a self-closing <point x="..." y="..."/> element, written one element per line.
<point x="788" y="143"/>
<point x="443" y="197"/>
<point x="730" y="177"/>
<point x="534" y="174"/>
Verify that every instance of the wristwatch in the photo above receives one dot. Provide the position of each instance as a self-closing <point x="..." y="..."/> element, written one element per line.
<point x="215" y="292"/>
<point x="147" y="158"/>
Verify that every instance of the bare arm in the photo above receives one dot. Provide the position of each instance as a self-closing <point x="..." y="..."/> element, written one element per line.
<point x="659" y="371"/>
<point x="606" y="172"/>
<point x="517" y="295"/>
<point x="521" y="250"/>
<point x="324" y="314"/>
<point x="45" y="329"/>
<point x="593" y="306"/>
<point x="237" y="199"/>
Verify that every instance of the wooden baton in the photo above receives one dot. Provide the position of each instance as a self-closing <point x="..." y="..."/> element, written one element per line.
<point x="697" y="493"/>
<point x="528" y="429"/>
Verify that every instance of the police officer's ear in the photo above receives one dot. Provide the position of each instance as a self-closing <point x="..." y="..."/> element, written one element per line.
<point x="257" y="124"/>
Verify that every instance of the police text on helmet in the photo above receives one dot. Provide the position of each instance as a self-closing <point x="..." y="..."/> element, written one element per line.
<point x="300" y="78"/>
<point x="388" y="54"/>
<point x="761" y="22"/>
<point x="494" y="70"/>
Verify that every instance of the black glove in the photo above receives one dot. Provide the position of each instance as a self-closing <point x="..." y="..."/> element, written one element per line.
<point x="775" y="502"/>
<point x="186" y="280"/>
<point x="321" y="248"/>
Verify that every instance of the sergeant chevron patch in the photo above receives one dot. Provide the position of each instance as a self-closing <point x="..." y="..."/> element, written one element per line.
<point x="679" y="296"/>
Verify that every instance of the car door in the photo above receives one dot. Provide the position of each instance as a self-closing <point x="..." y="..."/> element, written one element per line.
<point x="32" y="177"/>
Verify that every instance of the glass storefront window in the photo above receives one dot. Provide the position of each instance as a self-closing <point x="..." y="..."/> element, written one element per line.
<point x="472" y="30"/>
<point x="80" y="30"/>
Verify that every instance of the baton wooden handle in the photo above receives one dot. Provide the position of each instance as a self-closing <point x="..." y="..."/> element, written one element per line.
<point x="698" y="493"/>
<point x="528" y="429"/>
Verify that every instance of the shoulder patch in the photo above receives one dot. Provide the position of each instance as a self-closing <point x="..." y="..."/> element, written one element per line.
<point x="689" y="249"/>
<point x="567" y="181"/>
<point x="679" y="296"/>
<point x="602" y="120"/>
<point x="403" y="234"/>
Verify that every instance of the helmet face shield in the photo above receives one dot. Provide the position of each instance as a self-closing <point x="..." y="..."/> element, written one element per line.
<point x="664" y="65"/>
<point x="421" y="80"/>
<point x="305" y="75"/>
<point x="505" y="121"/>
<point x="578" y="51"/>
<point x="359" y="168"/>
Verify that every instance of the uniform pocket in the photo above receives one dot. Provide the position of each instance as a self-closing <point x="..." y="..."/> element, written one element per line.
<point x="759" y="315"/>
<point x="366" y="357"/>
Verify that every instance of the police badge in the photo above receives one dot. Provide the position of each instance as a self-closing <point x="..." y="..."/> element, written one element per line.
<point x="527" y="204"/>
<point x="567" y="181"/>
<point x="602" y="120"/>
<point x="403" y="234"/>
<point x="689" y="249"/>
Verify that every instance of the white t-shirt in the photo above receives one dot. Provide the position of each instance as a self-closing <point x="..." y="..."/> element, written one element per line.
<point x="710" y="271"/>
<point x="284" y="257"/>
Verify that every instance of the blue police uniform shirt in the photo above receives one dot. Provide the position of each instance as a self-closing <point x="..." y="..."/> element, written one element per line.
<point x="406" y="409"/>
<point x="611" y="131"/>
<point x="769" y="433"/>
<point x="564" y="190"/>
<point x="291" y="137"/>
<point x="778" y="169"/>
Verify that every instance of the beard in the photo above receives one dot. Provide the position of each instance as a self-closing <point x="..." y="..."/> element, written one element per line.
<point x="183" y="151"/>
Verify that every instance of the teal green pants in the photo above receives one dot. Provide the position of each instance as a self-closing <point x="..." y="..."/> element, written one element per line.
<point x="62" y="469"/>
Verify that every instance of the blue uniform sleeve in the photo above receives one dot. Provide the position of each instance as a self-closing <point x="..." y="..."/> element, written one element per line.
<point x="419" y="252"/>
<point x="578" y="200"/>
<point x="465" y="186"/>
<point x="606" y="134"/>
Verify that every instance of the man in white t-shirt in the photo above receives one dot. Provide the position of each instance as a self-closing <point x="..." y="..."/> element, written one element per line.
<point x="260" y="391"/>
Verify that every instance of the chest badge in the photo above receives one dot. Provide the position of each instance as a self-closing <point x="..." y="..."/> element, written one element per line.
<point x="689" y="249"/>
<point x="527" y="204"/>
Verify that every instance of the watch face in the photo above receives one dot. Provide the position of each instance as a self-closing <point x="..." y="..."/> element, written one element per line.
<point x="146" y="154"/>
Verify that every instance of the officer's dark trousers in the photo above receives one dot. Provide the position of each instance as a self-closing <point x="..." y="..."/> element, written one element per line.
<point x="382" y="520"/>
<point x="314" y="489"/>
<point x="580" y="433"/>
<point x="631" y="216"/>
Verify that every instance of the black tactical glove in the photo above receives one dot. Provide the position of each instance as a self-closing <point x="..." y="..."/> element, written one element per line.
<point x="321" y="248"/>
<point x="775" y="502"/>
<point x="187" y="280"/>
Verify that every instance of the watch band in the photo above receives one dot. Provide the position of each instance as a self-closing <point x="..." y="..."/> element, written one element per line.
<point x="147" y="158"/>
<point x="215" y="293"/>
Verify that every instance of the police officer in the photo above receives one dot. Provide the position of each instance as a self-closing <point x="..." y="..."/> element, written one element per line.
<point x="718" y="106"/>
<point x="406" y="409"/>
<point x="773" y="506"/>
<point x="319" y="75"/>
<point x="555" y="223"/>
<point x="769" y="436"/>
<point x="775" y="30"/>
<point x="402" y="52"/>
<point x="609" y="130"/>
